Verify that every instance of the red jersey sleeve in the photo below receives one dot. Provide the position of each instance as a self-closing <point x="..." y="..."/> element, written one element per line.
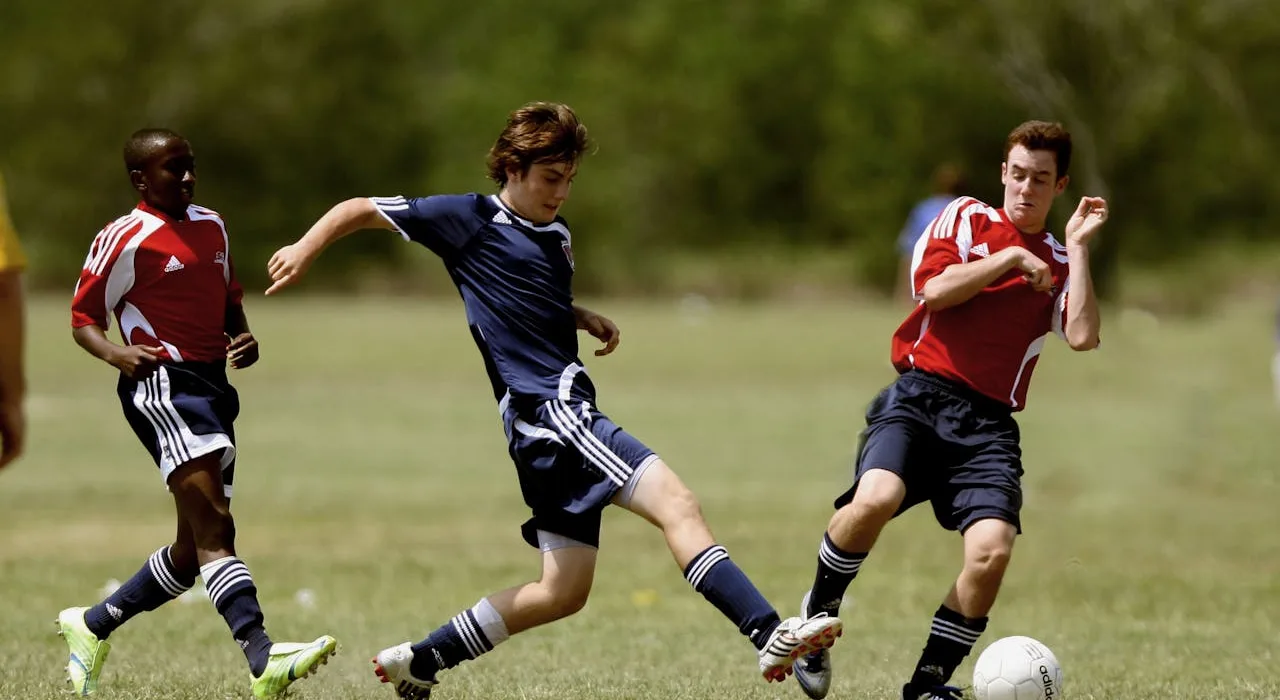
<point x="98" y="291"/>
<point x="235" y="293"/>
<point x="945" y="242"/>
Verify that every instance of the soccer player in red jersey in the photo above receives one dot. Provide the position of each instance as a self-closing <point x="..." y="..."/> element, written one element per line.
<point x="164" y="271"/>
<point x="990" y="285"/>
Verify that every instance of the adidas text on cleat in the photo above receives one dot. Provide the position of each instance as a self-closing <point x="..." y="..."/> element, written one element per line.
<point x="795" y="638"/>
<point x="813" y="671"/>
<point x="392" y="666"/>
<point x="291" y="661"/>
<point x="87" y="652"/>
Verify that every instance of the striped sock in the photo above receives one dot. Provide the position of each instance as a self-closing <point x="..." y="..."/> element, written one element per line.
<point x="233" y="594"/>
<point x="836" y="570"/>
<point x="951" y="637"/>
<point x="155" y="584"/>
<point x="467" y="636"/>
<point x="713" y="574"/>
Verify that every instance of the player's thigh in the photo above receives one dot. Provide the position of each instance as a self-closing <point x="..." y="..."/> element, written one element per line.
<point x="658" y="495"/>
<point x="199" y="491"/>
<point x="569" y="571"/>
<point x="983" y="483"/>
<point x="891" y="471"/>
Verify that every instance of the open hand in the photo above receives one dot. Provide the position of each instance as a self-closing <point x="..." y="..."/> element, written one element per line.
<point x="288" y="265"/>
<point x="1089" y="216"/>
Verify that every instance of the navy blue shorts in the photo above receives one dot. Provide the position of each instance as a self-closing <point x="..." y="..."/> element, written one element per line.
<point x="571" y="460"/>
<point x="952" y="447"/>
<point x="184" y="410"/>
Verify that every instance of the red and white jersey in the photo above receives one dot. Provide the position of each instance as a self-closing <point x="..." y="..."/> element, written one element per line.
<point x="167" y="282"/>
<point x="991" y="342"/>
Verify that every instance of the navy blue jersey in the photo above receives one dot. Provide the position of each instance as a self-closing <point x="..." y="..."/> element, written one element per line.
<point x="516" y="281"/>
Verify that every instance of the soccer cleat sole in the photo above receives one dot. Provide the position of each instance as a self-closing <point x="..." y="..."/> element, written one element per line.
<point x="814" y="643"/>
<point x="324" y="661"/>
<point x="402" y="692"/>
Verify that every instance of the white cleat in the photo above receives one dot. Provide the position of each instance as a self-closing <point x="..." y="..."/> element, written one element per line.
<point x="813" y="671"/>
<point x="392" y="666"/>
<point x="795" y="638"/>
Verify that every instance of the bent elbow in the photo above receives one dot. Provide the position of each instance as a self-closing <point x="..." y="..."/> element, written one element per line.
<point x="1081" y="342"/>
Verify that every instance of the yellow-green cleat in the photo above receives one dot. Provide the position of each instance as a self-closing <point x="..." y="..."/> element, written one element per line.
<point x="290" y="661"/>
<point x="88" y="653"/>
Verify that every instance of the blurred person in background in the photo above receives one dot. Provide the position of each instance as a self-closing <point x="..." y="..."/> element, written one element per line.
<point x="948" y="183"/>
<point x="13" y="384"/>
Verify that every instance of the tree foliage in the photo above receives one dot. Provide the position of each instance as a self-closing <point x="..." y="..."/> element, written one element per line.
<point x="720" y="126"/>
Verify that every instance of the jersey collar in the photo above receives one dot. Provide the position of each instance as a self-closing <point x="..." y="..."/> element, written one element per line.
<point x="556" y="226"/>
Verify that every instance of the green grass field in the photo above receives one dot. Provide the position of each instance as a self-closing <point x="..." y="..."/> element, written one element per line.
<point x="373" y="473"/>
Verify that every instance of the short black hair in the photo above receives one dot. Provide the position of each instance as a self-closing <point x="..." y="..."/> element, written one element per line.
<point x="144" y="143"/>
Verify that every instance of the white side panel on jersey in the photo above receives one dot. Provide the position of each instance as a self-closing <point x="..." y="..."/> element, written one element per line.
<point x="1033" y="350"/>
<point x="131" y="317"/>
<point x="196" y="213"/>
<point x="1060" y="310"/>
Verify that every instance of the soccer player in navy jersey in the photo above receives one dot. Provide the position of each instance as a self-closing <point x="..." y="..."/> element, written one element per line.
<point x="510" y="257"/>
<point x="990" y="285"/>
<point x="164" y="272"/>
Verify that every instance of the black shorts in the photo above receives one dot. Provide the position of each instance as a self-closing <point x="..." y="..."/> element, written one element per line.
<point x="571" y="460"/>
<point x="184" y="410"/>
<point x="951" y="446"/>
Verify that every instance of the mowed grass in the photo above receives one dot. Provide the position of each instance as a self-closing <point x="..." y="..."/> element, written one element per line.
<point x="374" y="475"/>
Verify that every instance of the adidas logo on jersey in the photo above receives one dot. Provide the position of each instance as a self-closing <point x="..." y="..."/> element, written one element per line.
<point x="502" y="218"/>
<point x="980" y="250"/>
<point x="174" y="264"/>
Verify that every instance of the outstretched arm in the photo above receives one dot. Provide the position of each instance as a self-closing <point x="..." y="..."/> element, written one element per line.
<point x="291" y="262"/>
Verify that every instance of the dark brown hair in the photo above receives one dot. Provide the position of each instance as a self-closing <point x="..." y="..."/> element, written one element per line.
<point x="539" y="132"/>
<point x="1042" y="136"/>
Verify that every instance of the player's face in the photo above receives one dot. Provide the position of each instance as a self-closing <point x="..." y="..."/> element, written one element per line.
<point x="1030" y="183"/>
<point x="538" y="194"/>
<point x="168" y="179"/>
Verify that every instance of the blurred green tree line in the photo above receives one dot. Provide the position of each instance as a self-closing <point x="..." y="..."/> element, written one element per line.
<point x="739" y="129"/>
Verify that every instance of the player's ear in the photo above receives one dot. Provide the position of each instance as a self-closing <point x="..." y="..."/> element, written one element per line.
<point x="1004" y="171"/>
<point x="139" y="182"/>
<point x="1062" y="184"/>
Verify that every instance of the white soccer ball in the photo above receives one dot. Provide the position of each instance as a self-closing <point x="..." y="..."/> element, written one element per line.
<point x="1017" y="668"/>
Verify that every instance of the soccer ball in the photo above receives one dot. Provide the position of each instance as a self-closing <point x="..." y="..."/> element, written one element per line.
<point x="1017" y="668"/>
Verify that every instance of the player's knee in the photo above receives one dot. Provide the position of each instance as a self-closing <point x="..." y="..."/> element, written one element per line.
<point x="214" y="531"/>
<point x="878" y="497"/>
<point x="989" y="561"/>
<point x="183" y="556"/>
<point x="684" y="508"/>
<point x="565" y="599"/>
